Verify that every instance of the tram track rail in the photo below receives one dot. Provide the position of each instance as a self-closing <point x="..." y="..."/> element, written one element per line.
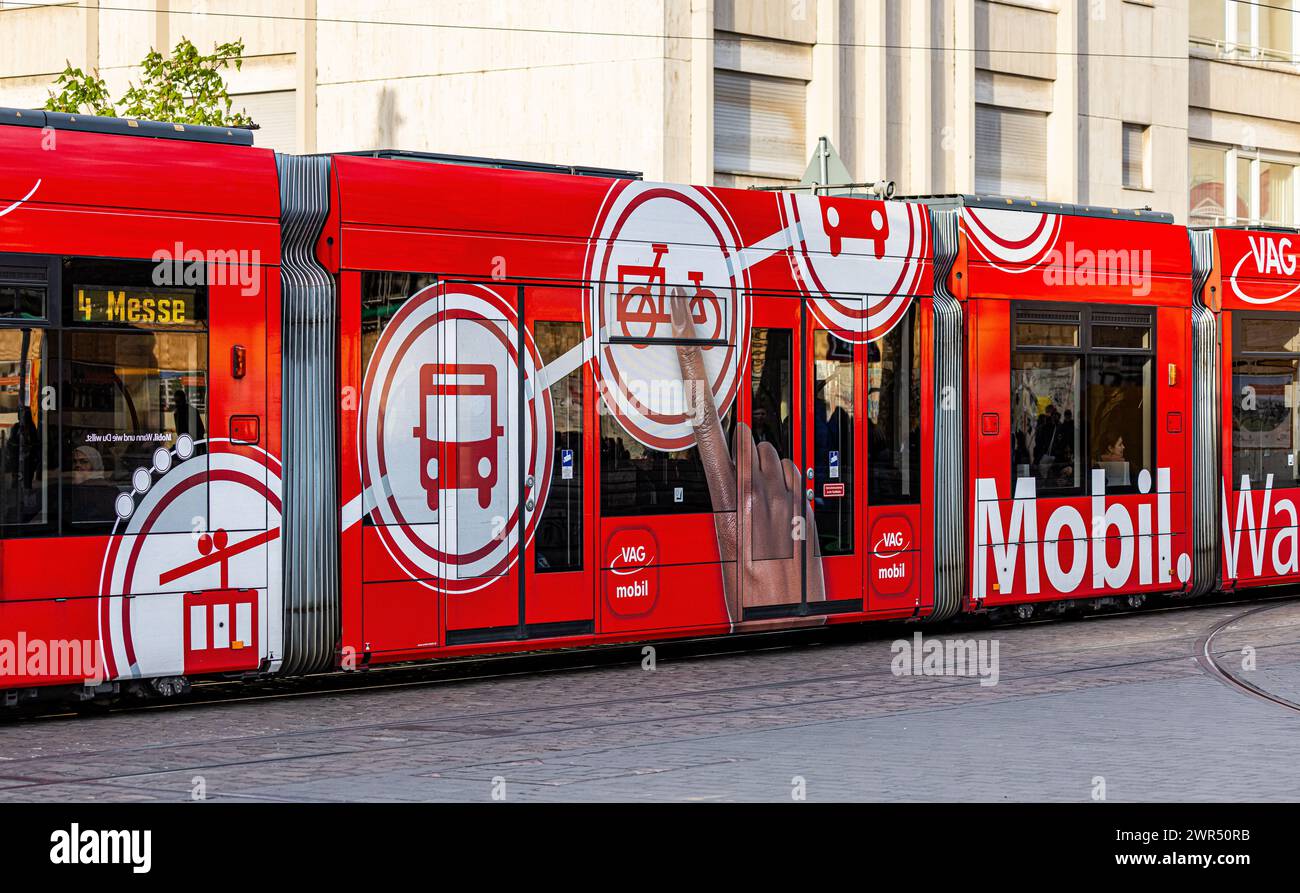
<point x="495" y="667"/>
<point x="1214" y="669"/>
<point x="25" y="772"/>
<point x="500" y="666"/>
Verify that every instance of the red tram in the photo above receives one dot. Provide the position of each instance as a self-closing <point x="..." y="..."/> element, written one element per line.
<point x="268" y="414"/>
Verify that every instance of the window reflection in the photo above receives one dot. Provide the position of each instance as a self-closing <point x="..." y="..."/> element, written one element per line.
<point x="833" y="442"/>
<point x="894" y="415"/>
<point x="1265" y="385"/>
<point x="124" y="395"/>
<point x="1082" y="396"/>
<point x="559" y="530"/>
<point x="26" y="441"/>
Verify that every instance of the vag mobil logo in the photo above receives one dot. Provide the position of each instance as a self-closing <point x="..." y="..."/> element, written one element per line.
<point x="892" y="563"/>
<point x="631" y="572"/>
<point x="1272" y="256"/>
<point x="1264" y="256"/>
<point x="630" y="559"/>
<point x="891" y="541"/>
<point x="1110" y="548"/>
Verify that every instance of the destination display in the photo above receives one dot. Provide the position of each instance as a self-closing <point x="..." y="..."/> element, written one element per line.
<point x="136" y="306"/>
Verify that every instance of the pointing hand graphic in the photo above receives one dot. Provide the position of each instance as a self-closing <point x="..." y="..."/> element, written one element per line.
<point x="767" y="535"/>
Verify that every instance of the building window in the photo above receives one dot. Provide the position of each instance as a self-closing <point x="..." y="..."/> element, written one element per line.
<point x="1136" y="152"/>
<point x="1275" y="183"/>
<point x="1208" y="199"/>
<point x="758" y="127"/>
<point x="1236" y="186"/>
<point x="1247" y="29"/>
<point x="1010" y="151"/>
<point x="1081" y="396"/>
<point x="1265" y="385"/>
<point x="276" y="117"/>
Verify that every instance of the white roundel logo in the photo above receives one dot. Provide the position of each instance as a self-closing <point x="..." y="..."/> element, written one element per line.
<point x="197" y="533"/>
<point x="1011" y="241"/>
<point x="860" y="261"/>
<point x="633" y="270"/>
<point x="441" y="437"/>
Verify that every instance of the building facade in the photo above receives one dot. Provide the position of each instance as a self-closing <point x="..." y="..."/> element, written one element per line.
<point x="1190" y="106"/>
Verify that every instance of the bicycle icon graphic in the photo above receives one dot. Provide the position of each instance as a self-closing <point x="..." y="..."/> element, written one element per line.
<point x="643" y="301"/>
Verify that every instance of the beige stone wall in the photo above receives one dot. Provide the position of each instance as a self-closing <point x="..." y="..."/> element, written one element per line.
<point x="894" y="83"/>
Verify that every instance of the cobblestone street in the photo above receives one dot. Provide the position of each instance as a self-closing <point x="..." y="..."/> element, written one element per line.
<point x="1118" y="701"/>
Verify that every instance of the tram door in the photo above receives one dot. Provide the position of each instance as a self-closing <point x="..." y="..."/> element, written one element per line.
<point x="802" y="405"/>
<point x="892" y="463"/>
<point x="474" y="458"/>
<point x="774" y="547"/>
<point x="559" y="577"/>
<point x="833" y="366"/>
<point x="504" y="416"/>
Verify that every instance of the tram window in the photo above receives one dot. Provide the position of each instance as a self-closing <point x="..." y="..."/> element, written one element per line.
<point x="1119" y="427"/>
<point x="122" y="395"/>
<point x="125" y="295"/>
<point x="637" y="480"/>
<point x="23" y="292"/>
<point x="1258" y="334"/>
<point x="1265" y="392"/>
<point x="559" y="530"/>
<point x="1082" y="396"/>
<point x="894" y="415"/>
<point x="382" y="295"/>
<point x="772" y="389"/>
<point x="1048" y="334"/>
<point x="27" y="454"/>
<point x="833" y="442"/>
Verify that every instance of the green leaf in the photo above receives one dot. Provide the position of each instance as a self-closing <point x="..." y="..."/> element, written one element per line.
<point x="186" y="87"/>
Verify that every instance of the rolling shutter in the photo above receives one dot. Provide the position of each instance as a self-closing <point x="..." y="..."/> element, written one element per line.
<point x="1010" y="152"/>
<point x="276" y="115"/>
<point x="758" y="125"/>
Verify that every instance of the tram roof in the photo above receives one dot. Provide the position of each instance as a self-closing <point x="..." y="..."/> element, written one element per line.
<point x="1010" y="203"/>
<point x="201" y="133"/>
<point x="537" y="167"/>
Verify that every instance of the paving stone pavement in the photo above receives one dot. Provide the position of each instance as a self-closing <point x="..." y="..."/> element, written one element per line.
<point x="1119" y="701"/>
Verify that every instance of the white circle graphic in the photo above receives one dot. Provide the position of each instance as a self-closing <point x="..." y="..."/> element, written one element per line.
<point x="154" y="552"/>
<point x="634" y="268"/>
<point x="442" y="437"/>
<point x="860" y="261"/>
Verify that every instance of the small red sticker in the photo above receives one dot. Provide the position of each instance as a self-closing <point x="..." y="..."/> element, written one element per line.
<point x="832" y="489"/>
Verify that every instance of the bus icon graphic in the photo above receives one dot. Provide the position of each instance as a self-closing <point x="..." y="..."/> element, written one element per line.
<point x="467" y="393"/>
